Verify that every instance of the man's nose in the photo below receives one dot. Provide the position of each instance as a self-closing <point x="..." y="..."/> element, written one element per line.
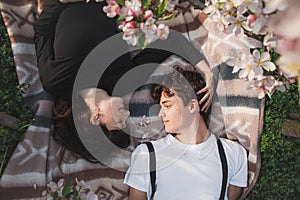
<point x="161" y="112"/>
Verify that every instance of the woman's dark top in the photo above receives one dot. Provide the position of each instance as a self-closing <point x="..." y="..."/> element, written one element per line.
<point x="66" y="33"/>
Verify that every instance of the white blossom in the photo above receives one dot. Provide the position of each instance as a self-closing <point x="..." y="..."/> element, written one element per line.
<point x="263" y="60"/>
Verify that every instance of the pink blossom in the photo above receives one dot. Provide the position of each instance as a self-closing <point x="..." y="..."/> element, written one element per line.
<point x="229" y="4"/>
<point x="259" y="26"/>
<point x="267" y="85"/>
<point x="112" y="9"/>
<point x="288" y="46"/>
<point x="219" y="19"/>
<point x="134" y="8"/>
<point x="251" y="72"/>
<point x="258" y="85"/>
<point x="148" y="14"/>
<point x="253" y="5"/>
<point x="286" y="23"/>
<point x="149" y="28"/>
<point x="270" y="84"/>
<point x="212" y="7"/>
<point x="131" y="38"/>
<point x="238" y="60"/>
<point x="91" y="196"/>
<point x="132" y="14"/>
<point x="271" y="42"/>
<point x="289" y="65"/>
<point x="56" y="186"/>
<point x="130" y="32"/>
<point x="88" y="195"/>
<point x="170" y="6"/>
<point x="52" y="186"/>
<point x="292" y="80"/>
<point x="250" y="20"/>
<point x="263" y="60"/>
<point x="129" y="28"/>
<point x="80" y="183"/>
<point x="273" y="5"/>
<point x="162" y="31"/>
<point x="251" y="42"/>
<point x="236" y="25"/>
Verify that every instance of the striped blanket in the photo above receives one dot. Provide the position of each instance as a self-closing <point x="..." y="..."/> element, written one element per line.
<point x="237" y="113"/>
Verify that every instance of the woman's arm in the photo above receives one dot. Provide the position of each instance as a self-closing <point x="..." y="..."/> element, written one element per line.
<point x="46" y="22"/>
<point x="135" y="194"/>
<point x="209" y="88"/>
<point x="44" y="31"/>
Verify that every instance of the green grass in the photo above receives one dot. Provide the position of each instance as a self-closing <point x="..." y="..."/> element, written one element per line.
<point x="11" y="101"/>
<point x="280" y="171"/>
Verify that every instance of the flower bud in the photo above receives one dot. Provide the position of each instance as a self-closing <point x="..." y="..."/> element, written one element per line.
<point x="148" y="14"/>
<point x="250" y="20"/>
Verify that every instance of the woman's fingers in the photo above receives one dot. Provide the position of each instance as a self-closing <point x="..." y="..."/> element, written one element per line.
<point x="207" y="104"/>
<point x="203" y="99"/>
<point x="207" y="98"/>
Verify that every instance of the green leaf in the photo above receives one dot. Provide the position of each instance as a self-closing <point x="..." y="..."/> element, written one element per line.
<point x="121" y="2"/>
<point x="220" y="5"/>
<point x="142" y="41"/>
<point x="145" y="4"/>
<point x="67" y="188"/>
<point x="121" y="18"/>
<point x="168" y="16"/>
<point x="75" y="192"/>
<point x="162" y="8"/>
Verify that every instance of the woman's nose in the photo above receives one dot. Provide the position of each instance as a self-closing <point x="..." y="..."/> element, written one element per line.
<point x="126" y="113"/>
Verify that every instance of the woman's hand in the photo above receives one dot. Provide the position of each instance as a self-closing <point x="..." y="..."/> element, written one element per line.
<point x="69" y="1"/>
<point x="209" y="88"/>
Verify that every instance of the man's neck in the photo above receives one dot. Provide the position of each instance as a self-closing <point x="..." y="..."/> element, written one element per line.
<point x="197" y="133"/>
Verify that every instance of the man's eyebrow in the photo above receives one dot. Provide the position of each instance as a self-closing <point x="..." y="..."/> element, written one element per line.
<point x="166" y="101"/>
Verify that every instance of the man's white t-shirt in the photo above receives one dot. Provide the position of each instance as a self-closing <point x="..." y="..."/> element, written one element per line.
<point x="187" y="171"/>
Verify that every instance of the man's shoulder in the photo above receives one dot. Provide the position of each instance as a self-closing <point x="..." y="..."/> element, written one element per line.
<point x="161" y="142"/>
<point x="232" y="146"/>
<point x="156" y="144"/>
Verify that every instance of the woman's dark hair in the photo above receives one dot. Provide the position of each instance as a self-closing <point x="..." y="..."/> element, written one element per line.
<point x="186" y="83"/>
<point x="66" y="134"/>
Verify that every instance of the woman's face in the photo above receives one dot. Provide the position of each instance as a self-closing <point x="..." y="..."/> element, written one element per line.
<point x="113" y="113"/>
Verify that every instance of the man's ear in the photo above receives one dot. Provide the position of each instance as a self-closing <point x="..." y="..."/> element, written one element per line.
<point x="194" y="106"/>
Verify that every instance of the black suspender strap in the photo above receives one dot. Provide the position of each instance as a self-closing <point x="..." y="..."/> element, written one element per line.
<point x="152" y="167"/>
<point x="224" y="168"/>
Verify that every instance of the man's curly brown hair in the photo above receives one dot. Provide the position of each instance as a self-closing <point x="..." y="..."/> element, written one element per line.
<point x="185" y="82"/>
